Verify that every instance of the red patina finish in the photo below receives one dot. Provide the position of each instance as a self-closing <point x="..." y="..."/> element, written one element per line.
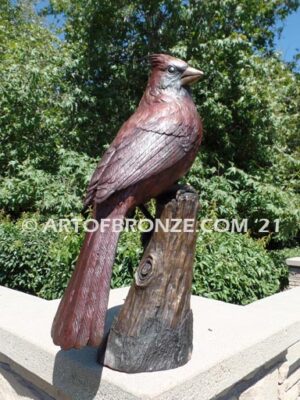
<point x="153" y="149"/>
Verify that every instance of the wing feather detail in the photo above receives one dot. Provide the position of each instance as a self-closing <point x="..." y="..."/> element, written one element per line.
<point x="147" y="151"/>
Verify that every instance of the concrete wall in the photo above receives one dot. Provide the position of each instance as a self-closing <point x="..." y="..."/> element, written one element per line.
<point x="240" y="353"/>
<point x="293" y="264"/>
<point x="279" y="379"/>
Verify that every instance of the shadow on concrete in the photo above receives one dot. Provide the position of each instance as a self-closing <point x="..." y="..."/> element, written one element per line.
<point x="14" y="385"/>
<point x="76" y="373"/>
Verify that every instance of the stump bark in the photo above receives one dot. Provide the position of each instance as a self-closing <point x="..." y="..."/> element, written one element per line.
<point x="154" y="329"/>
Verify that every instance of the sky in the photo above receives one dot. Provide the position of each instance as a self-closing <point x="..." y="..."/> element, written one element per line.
<point x="289" y="41"/>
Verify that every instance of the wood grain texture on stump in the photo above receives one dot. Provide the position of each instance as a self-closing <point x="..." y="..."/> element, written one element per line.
<point x="154" y="329"/>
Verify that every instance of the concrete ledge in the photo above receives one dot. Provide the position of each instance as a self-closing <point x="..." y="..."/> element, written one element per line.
<point x="234" y="348"/>
<point x="293" y="261"/>
<point x="293" y="264"/>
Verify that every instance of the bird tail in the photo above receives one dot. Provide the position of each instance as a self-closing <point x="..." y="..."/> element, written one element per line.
<point x="80" y="317"/>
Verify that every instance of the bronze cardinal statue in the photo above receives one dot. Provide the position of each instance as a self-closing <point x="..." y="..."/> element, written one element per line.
<point x="153" y="149"/>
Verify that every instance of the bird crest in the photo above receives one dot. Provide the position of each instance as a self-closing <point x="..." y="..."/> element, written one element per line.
<point x="162" y="61"/>
<point x="158" y="60"/>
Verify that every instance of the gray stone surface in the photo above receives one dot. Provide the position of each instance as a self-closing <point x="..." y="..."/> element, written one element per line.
<point x="292" y="380"/>
<point x="283" y="372"/>
<point x="265" y="389"/>
<point x="15" y="387"/>
<point x="230" y="343"/>
<point x="292" y="394"/>
<point x="293" y="354"/>
<point x="293" y="357"/>
<point x="293" y="261"/>
<point x="294" y="271"/>
<point x="294" y="277"/>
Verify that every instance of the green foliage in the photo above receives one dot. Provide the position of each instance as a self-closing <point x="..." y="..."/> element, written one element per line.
<point x="39" y="97"/>
<point x="62" y="101"/>
<point x="229" y="267"/>
<point x="235" y="194"/>
<point x="40" y="261"/>
<point x="235" y="268"/>
<point x="127" y="259"/>
<point x="31" y="189"/>
<point x="279" y="256"/>
<point x="37" y="262"/>
<point x="249" y="99"/>
<point x="246" y="91"/>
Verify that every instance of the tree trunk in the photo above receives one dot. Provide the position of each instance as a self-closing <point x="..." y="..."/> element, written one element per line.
<point x="154" y="329"/>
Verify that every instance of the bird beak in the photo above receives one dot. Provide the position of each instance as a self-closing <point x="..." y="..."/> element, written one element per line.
<point x="190" y="76"/>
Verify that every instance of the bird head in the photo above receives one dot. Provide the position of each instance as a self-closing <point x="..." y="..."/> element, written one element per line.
<point x="172" y="73"/>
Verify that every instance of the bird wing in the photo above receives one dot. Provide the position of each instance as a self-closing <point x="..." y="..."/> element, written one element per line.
<point x="150" y="148"/>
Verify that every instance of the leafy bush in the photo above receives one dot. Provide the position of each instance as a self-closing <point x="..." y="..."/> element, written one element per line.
<point x="217" y="193"/>
<point x="279" y="256"/>
<point x="35" y="98"/>
<point x="30" y="189"/>
<point x="127" y="259"/>
<point x="234" y="194"/>
<point x="229" y="267"/>
<point x="41" y="262"/>
<point x="235" y="268"/>
<point x="62" y="101"/>
<point x="258" y="198"/>
<point x="36" y="262"/>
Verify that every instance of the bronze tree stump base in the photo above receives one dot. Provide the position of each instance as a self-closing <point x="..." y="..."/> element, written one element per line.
<point x="154" y="329"/>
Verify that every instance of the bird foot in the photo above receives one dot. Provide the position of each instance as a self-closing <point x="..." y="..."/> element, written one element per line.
<point x="175" y="190"/>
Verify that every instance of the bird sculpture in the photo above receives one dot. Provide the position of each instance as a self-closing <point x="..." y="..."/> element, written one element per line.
<point x="153" y="149"/>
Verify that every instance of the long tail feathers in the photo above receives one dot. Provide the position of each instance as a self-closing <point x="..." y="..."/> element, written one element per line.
<point x="81" y="313"/>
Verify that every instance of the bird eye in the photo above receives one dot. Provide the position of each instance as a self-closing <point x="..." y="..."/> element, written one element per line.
<point x="171" y="69"/>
